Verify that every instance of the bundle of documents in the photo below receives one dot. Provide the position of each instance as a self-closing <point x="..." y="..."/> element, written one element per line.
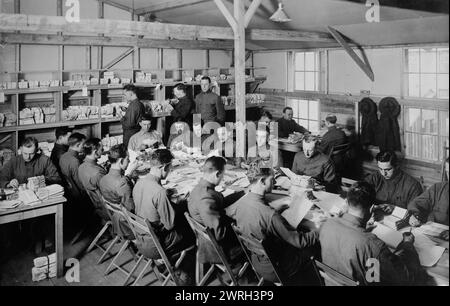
<point x="44" y="267"/>
<point x="396" y="220"/>
<point x="36" y="182"/>
<point x="54" y="191"/>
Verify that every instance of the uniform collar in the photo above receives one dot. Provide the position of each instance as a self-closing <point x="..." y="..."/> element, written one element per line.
<point x="353" y="220"/>
<point x="207" y="184"/>
<point x="73" y="153"/>
<point x="90" y="161"/>
<point x="153" y="178"/>
<point x="115" y="172"/>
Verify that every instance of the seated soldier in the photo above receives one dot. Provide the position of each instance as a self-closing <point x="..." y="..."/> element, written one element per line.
<point x="333" y="137"/>
<point x="207" y="207"/>
<point x="180" y="137"/>
<point x="392" y="185"/>
<point x="90" y="173"/>
<point x="288" y="249"/>
<point x="152" y="202"/>
<point x="28" y="164"/>
<point x="432" y="205"/>
<point x="347" y="245"/>
<point x="69" y="164"/>
<point x="62" y="135"/>
<point x="116" y="187"/>
<point x="315" y="164"/>
<point x="146" y="137"/>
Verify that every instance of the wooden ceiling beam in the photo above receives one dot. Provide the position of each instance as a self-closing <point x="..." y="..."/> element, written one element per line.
<point x="251" y="11"/>
<point x="364" y="65"/>
<point x="108" y="27"/>
<point x="167" y="5"/>
<point x="118" y="5"/>
<point x="44" y="39"/>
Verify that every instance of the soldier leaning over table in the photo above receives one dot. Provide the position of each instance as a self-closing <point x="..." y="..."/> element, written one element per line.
<point x="28" y="164"/>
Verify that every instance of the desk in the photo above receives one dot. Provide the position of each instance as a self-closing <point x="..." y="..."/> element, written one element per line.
<point x="48" y="207"/>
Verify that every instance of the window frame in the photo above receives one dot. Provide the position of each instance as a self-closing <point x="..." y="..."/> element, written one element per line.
<point x="317" y="70"/>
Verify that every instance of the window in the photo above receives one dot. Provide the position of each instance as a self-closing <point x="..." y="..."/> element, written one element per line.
<point x="426" y="73"/>
<point x="426" y="133"/>
<point x="306" y="113"/>
<point x="306" y="71"/>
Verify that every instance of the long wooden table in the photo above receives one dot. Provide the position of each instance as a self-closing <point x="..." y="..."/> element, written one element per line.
<point x="47" y="207"/>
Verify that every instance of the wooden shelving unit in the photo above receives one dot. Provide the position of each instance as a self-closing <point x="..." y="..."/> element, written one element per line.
<point x="97" y="95"/>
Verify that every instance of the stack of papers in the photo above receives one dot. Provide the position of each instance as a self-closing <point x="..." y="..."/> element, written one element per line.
<point x="429" y="253"/>
<point x="44" y="267"/>
<point x="432" y="229"/>
<point x="28" y="197"/>
<point x="397" y="215"/>
<point x="54" y="191"/>
<point x="9" y="204"/>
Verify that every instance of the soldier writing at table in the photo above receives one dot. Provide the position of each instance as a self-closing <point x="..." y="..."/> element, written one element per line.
<point x="28" y="164"/>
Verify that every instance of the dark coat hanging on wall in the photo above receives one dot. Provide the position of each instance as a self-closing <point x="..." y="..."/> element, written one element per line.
<point x="388" y="134"/>
<point x="369" y="124"/>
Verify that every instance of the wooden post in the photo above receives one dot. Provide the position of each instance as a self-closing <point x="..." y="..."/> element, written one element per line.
<point x="239" y="68"/>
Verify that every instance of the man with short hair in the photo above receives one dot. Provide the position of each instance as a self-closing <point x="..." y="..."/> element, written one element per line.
<point x="132" y="117"/>
<point x="333" y="137"/>
<point x="69" y="164"/>
<point x="207" y="207"/>
<point x="287" y="126"/>
<point x="90" y="173"/>
<point x="348" y="247"/>
<point x="146" y="137"/>
<point x="288" y="249"/>
<point x="315" y="164"/>
<point x="432" y="205"/>
<point x="28" y="164"/>
<point x="116" y="187"/>
<point x="208" y="104"/>
<point x="392" y="186"/>
<point x="62" y="135"/>
<point x="183" y="106"/>
<point x="152" y="203"/>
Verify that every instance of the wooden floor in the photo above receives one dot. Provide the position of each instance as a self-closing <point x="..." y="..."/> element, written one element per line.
<point x="15" y="270"/>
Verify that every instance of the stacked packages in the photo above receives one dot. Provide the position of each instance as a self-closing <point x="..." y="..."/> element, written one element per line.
<point x="44" y="267"/>
<point x="80" y="112"/>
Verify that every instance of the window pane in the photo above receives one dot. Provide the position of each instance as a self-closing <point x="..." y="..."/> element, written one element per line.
<point x="309" y="61"/>
<point x="317" y="81"/>
<point x="443" y="86"/>
<point x="300" y="61"/>
<point x="309" y="81"/>
<point x="303" y="109"/>
<point x="299" y="81"/>
<point x="443" y="143"/>
<point x="295" y="108"/>
<point x="429" y="145"/>
<point x="428" y="85"/>
<point x="303" y="123"/>
<point x="443" y="123"/>
<point x="412" y="120"/>
<point x="429" y="121"/>
<point x="412" y="142"/>
<point x="313" y="126"/>
<point x="413" y="60"/>
<point x="290" y="102"/>
<point x="428" y="60"/>
<point x="313" y="110"/>
<point x="317" y="68"/>
<point x="443" y="60"/>
<point x="414" y="85"/>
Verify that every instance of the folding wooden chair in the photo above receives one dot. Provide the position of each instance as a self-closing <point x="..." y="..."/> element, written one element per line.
<point x="138" y="224"/>
<point x="126" y="243"/>
<point x="202" y="232"/>
<point x="251" y="245"/>
<point x="328" y="275"/>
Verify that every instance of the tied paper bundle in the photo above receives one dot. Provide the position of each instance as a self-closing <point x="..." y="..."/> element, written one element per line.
<point x="44" y="267"/>
<point x="54" y="191"/>
<point x="34" y="183"/>
<point x="28" y="197"/>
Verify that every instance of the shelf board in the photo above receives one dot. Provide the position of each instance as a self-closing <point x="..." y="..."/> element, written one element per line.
<point x="106" y="120"/>
<point x="29" y="127"/>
